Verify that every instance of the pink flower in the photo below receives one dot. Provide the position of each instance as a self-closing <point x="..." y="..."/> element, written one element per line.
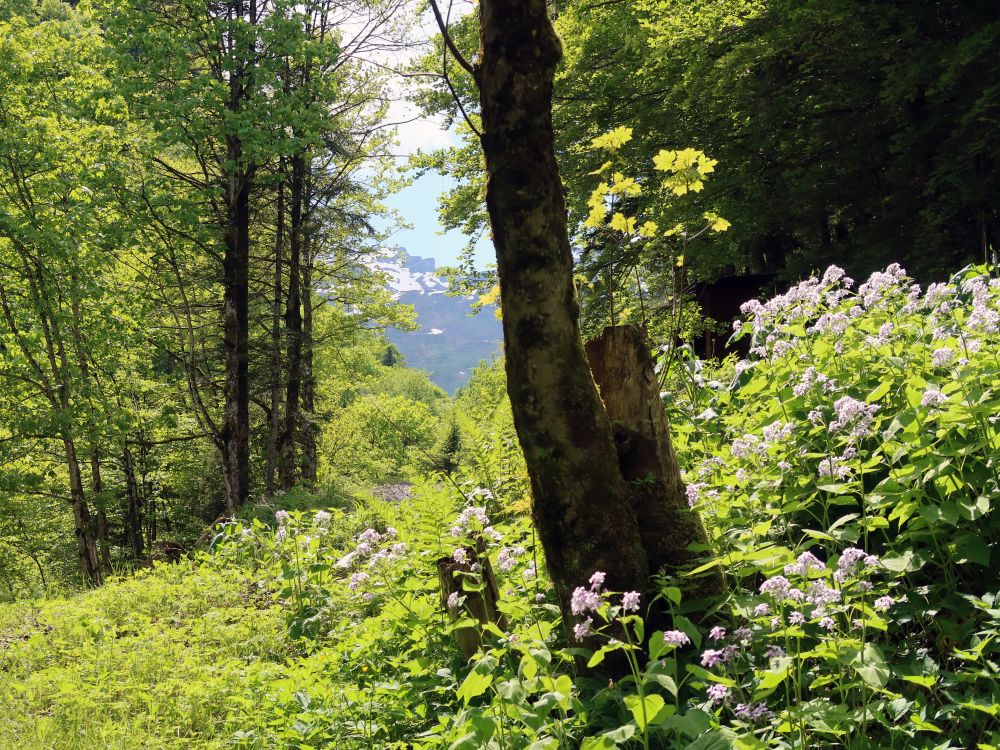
<point x="884" y="603"/>
<point x="675" y="638"/>
<point x="753" y="713"/>
<point x="711" y="657"/>
<point x="718" y="693"/>
<point x="584" y="601"/>
<point x="630" y="601"/>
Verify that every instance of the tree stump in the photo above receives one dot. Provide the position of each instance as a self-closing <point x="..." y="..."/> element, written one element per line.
<point x="623" y="369"/>
<point x="480" y="605"/>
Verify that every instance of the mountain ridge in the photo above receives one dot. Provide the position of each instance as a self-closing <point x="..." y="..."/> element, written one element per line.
<point x="450" y="340"/>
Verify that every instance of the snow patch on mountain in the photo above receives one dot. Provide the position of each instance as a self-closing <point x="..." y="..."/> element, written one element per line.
<point x="451" y="341"/>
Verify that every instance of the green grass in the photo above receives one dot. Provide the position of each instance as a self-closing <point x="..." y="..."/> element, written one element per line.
<point x="162" y="660"/>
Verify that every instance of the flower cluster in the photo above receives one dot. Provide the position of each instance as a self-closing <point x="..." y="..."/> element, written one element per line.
<point x="813" y="378"/>
<point x="753" y="712"/>
<point x="588" y="600"/>
<point x="882" y="284"/>
<point x="370" y="547"/>
<point x="508" y="557"/>
<point x="852" y="567"/>
<point x="933" y="397"/>
<point x="854" y="416"/>
<point x="473" y="521"/>
<point x="698" y="492"/>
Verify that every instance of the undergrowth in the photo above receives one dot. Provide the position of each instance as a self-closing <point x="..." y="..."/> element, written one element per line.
<point x="847" y="471"/>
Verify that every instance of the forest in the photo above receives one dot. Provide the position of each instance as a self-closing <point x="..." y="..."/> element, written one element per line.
<point x="728" y="483"/>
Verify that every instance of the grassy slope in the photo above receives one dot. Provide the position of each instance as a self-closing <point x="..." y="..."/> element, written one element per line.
<point x="157" y="661"/>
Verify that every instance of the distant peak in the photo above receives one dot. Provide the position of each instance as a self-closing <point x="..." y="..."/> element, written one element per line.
<point x="409" y="273"/>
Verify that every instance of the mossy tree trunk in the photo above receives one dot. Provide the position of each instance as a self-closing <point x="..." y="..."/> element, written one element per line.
<point x="672" y="533"/>
<point x="593" y="509"/>
<point x="581" y="506"/>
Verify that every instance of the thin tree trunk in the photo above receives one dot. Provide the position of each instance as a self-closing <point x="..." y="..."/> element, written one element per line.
<point x="97" y="487"/>
<point x="275" y="415"/>
<point x="148" y="497"/>
<point x="293" y="328"/>
<point x="96" y="482"/>
<point x="83" y="524"/>
<point x="133" y="514"/>
<point x="236" y="425"/>
<point x="580" y="503"/>
<point x="310" y="467"/>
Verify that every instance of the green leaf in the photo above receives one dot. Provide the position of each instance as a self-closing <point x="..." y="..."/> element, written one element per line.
<point x="924" y="726"/>
<point x="644" y="710"/>
<point x="971" y="548"/>
<point x="926" y="681"/>
<point x="710" y="676"/>
<point x="773" y="677"/>
<point x="714" y="740"/>
<point x="599" y="743"/>
<point x="871" y="666"/>
<point x="474" y="685"/>
<point x="879" y="392"/>
<point x="622" y="734"/>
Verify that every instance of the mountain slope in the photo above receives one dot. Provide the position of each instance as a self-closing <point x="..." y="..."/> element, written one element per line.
<point x="451" y="341"/>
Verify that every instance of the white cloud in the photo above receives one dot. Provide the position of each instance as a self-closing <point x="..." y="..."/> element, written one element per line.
<point x="416" y="132"/>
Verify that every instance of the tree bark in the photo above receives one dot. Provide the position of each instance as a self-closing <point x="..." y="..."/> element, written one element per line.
<point x="133" y="513"/>
<point x="598" y="505"/>
<point x="623" y="368"/>
<point x="480" y="604"/>
<point x="236" y="423"/>
<point x="275" y="415"/>
<point x="83" y="524"/>
<point x="103" y="533"/>
<point x="310" y="468"/>
<point x="581" y="504"/>
<point x="293" y="327"/>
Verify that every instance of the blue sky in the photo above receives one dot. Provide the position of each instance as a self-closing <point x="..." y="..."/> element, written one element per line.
<point x="417" y="204"/>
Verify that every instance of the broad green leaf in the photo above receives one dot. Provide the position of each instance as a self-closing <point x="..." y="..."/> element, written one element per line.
<point x="644" y="710"/>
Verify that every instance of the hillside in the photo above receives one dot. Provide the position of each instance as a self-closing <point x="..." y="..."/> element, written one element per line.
<point x="450" y="341"/>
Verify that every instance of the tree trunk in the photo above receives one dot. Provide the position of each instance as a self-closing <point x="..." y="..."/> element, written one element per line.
<point x="310" y="467"/>
<point x="581" y="506"/>
<point x="97" y="486"/>
<point x="623" y="368"/>
<point x="148" y="497"/>
<point x="236" y="426"/>
<point x="293" y="328"/>
<point x="480" y="604"/>
<point x="83" y="524"/>
<point x="598" y="505"/>
<point x="133" y="513"/>
<point x="96" y="482"/>
<point x="275" y="415"/>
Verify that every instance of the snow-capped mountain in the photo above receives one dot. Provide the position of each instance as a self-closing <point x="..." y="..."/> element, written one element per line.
<point x="450" y="341"/>
<point x="410" y="273"/>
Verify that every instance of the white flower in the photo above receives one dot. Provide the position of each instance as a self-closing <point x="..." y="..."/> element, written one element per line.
<point x="933" y="397"/>
<point x="942" y="357"/>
